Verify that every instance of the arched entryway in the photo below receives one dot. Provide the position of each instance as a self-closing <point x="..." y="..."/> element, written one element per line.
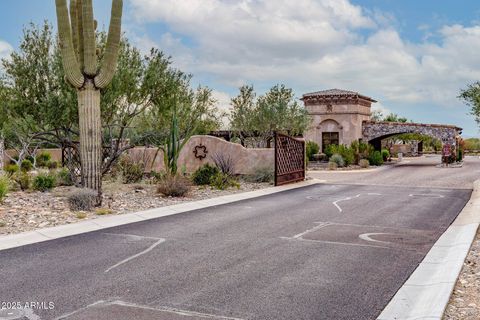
<point x="329" y="132"/>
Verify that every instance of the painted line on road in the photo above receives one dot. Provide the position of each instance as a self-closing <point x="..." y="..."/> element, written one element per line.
<point x="335" y="242"/>
<point x="367" y="237"/>
<point x="335" y="203"/>
<point x="130" y="236"/>
<point x="181" y="312"/>
<point x="426" y="195"/>
<point x="321" y="225"/>
<point x="66" y="315"/>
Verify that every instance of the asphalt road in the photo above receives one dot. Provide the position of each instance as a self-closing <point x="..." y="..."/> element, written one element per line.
<point x="333" y="251"/>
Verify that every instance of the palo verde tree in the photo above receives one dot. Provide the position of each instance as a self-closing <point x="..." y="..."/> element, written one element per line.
<point x="276" y="110"/>
<point x="76" y="28"/>
<point x="471" y="96"/>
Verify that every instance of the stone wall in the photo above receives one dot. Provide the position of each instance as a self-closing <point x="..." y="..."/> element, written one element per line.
<point x="376" y="130"/>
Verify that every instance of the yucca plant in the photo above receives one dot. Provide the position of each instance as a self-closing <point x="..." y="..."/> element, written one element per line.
<point x="76" y="29"/>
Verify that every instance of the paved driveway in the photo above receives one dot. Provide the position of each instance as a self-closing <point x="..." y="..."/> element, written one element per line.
<point x="332" y="251"/>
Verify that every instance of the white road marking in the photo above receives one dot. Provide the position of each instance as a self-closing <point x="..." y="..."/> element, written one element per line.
<point x="66" y="315"/>
<point x="321" y="225"/>
<point x="135" y="237"/>
<point x="335" y="203"/>
<point x="366" y="237"/>
<point x="336" y="242"/>
<point x="131" y="236"/>
<point x="426" y="195"/>
<point x="175" y="310"/>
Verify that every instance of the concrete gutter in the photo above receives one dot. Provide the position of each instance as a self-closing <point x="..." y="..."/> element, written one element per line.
<point x="40" y="235"/>
<point x="426" y="293"/>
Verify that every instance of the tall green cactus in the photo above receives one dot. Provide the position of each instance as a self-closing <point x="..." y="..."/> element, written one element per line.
<point x="76" y="29"/>
<point x="173" y="145"/>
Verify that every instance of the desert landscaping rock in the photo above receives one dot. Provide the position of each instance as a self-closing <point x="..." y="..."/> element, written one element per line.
<point x="465" y="301"/>
<point x="26" y="211"/>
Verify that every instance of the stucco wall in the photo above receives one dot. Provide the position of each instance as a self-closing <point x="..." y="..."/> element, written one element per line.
<point x="55" y="153"/>
<point x="246" y="160"/>
<point x="349" y="118"/>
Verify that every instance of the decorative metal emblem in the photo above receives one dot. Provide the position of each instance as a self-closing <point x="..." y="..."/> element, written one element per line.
<point x="200" y="151"/>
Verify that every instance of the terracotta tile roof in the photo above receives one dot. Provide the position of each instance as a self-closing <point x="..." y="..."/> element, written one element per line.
<point x="336" y="92"/>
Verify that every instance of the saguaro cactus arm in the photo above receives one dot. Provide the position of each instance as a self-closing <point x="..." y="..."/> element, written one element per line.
<point x="109" y="63"/>
<point x="70" y="64"/>
<point x="79" y="23"/>
<point x="74" y="25"/>
<point x="89" y="45"/>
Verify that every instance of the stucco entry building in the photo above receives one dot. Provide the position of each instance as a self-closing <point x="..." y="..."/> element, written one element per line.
<point x="341" y="117"/>
<point x="337" y="116"/>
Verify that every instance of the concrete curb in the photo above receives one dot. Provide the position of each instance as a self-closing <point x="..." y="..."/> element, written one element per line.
<point x="426" y="293"/>
<point x="40" y="235"/>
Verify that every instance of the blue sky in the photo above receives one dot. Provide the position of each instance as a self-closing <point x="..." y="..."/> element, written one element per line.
<point x="411" y="56"/>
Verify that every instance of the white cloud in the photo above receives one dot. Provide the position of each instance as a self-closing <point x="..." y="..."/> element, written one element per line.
<point x="316" y="44"/>
<point x="223" y="104"/>
<point x="5" y="49"/>
<point x="241" y="31"/>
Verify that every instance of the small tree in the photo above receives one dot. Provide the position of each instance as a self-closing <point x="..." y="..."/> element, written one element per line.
<point x="277" y="110"/>
<point x="471" y="96"/>
<point x="78" y="46"/>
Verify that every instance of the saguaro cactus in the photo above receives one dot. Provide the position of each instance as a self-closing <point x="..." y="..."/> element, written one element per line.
<point x="76" y="31"/>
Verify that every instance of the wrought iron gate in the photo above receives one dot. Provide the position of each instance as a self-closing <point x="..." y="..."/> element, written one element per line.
<point x="289" y="159"/>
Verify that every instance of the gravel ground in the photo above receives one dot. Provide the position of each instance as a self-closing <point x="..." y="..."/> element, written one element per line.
<point x="465" y="301"/>
<point x="26" y="211"/>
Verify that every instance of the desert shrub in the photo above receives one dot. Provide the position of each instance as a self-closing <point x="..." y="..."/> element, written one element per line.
<point x="157" y="176"/>
<point x="132" y="172"/>
<point x="26" y="165"/>
<point x="81" y="215"/>
<point x="11" y="169"/>
<point x="338" y="159"/>
<point x="361" y="150"/>
<point x="261" y="174"/>
<point x="52" y="165"/>
<point x="30" y="158"/>
<point x="82" y="200"/>
<point x="103" y="211"/>
<point x="330" y="150"/>
<point x="173" y="186"/>
<point x="222" y="181"/>
<point x="346" y="152"/>
<point x="224" y="162"/>
<point x="320" y="157"/>
<point x="376" y="158"/>
<point x="311" y="149"/>
<point x="203" y="175"/>
<point x="43" y="159"/>
<point x="385" y="154"/>
<point x="64" y="178"/>
<point x="364" y="163"/>
<point x="44" y="182"/>
<point x="332" y="166"/>
<point x="4" y="187"/>
<point x="23" y="179"/>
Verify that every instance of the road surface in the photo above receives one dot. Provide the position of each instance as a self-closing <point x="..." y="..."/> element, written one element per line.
<point x="332" y="251"/>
